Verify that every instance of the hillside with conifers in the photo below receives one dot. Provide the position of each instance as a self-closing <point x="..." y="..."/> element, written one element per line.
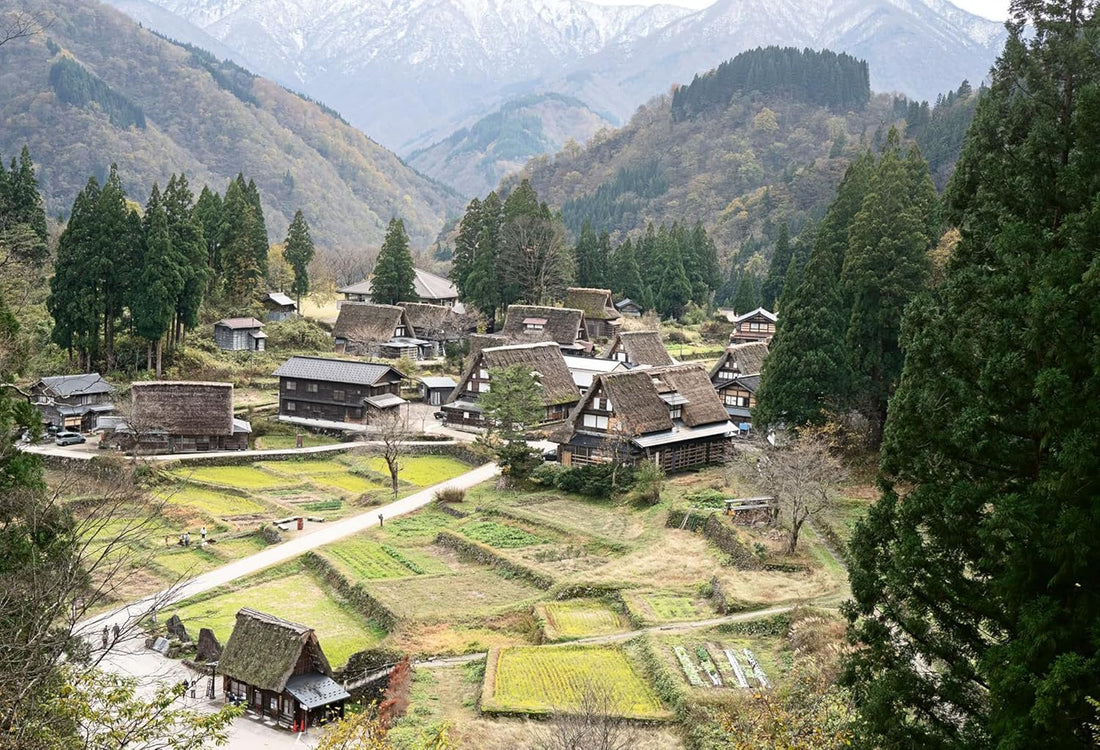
<point x="757" y="143"/>
<point x="96" y="88"/>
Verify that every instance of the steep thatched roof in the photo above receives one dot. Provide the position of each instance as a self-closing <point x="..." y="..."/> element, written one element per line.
<point x="596" y="303"/>
<point x="479" y="341"/>
<point x="745" y="359"/>
<point x="182" y="408"/>
<point x="364" y="322"/>
<point x="436" y="321"/>
<point x="563" y="325"/>
<point x="641" y="347"/>
<point x="544" y="358"/>
<point x="263" y="650"/>
<point x="640" y="398"/>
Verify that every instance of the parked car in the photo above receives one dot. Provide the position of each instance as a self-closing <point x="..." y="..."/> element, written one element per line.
<point x="550" y="454"/>
<point x="69" y="438"/>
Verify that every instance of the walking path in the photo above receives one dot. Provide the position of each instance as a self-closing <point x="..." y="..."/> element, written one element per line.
<point x="279" y="553"/>
<point x="88" y="451"/>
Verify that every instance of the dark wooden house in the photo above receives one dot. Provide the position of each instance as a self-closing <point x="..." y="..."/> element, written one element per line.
<point x="319" y="389"/>
<point x="179" y="417"/>
<point x="441" y="326"/>
<point x="634" y="348"/>
<point x="240" y="334"/>
<point x="370" y="330"/>
<point x="628" y="308"/>
<point x="526" y="324"/>
<point x="601" y="319"/>
<point x="431" y="289"/>
<point x="668" y="415"/>
<point x="559" y="393"/>
<point x="279" y="671"/>
<point x="73" y="402"/>
<point x="279" y="306"/>
<point x="436" y="390"/>
<point x="758" y="325"/>
<point x="736" y="378"/>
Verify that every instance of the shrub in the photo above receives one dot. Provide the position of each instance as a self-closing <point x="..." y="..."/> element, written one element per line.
<point x="297" y="333"/>
<point x="450" y="495"/>
<point x="518" y="461"/>
<point x="676" y="336"/>
<point x="706" y="498"/>
<point x="648" y="481"/>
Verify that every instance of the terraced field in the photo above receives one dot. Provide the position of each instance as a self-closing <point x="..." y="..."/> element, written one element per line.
<point x="543" y="679"/>
<point x="577" y="618"/>
<point x="423" y="471"/>
<point x="473" y="590"/>
<point x="241" y="477"/>
<point x="663" y="606"/>
<point x="501" y="535"/>
<point x="212" y="502"/>
<point x="362" y="558"/>
<point x="599" y="519"/>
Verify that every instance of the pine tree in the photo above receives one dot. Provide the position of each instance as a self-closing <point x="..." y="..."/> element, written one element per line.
<point x="675" y="290"/>
<point x="745" y="299"/>
<point x="259" y="227"/>
<point x="589" y="270"/>
<point x="72" y="302"/>
<point x="973" y="608"/>
<point x="705" y="269"/>
<point x="394" y="275"/>
<point x="298" y="252"/>
<point x="469" y="229"/>
<point x="159" y="279"/>
<point x="777" y="269"/>
<point x="190" y="250"/>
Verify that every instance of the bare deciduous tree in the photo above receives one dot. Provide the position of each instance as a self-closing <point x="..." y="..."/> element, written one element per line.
<point x="391" y="430"/>
<point x="593" y="724"/>
<point x="537" y="258"/>
<point x="801" y="476"/>
<point x="19" y="24"/>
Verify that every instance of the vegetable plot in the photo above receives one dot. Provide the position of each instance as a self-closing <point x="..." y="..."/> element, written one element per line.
<point x="688" y="666"/>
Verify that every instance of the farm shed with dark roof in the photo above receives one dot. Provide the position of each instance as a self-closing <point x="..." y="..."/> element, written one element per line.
<point x="278" y="669"/>
<point x="239" y="334"/>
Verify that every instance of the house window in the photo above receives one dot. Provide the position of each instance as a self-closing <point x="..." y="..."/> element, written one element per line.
<point x="734" y="399"/>
<point x="399" y="331"/>
<point x="311" y="387"/>
<point x="725" y="375"/>
<point x="674" y="412"/>
<point x="621" y="356"/>
<point x="291" y="385"/>
<point x="533" y="326"/>
<point x="337" y="395"/>
<point x="483" y="374"/>
<point x="291" y="406"/>
<point x="601" y="404"/>
<point x="483" y="386"/>
<point x="595" y="421"/>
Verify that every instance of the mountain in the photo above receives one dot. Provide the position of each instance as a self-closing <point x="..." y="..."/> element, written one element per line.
<point x="474" y="159"/>
<point x="96" y="88"/>
<point x="412" y="72"/>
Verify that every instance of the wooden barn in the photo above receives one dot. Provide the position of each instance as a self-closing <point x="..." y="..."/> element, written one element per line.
<point x="279" y="306"/>
<point x="73" y="402"/>
<point x="436" y="390"/>
<point x="438" y="325"/>
<point x="628" y="308"/>
<point x="369" y="330"/>
<point x="634" y="348"/>
<point x="559" y="393"/>
<point x="668" y="415"/>
<point x="601" y="319"/>
<point x="758" y="325"/>
<point x="278" y="670"/>
<point x="321" y="389"/>
<point x="431" y="289"/>
<point x="736" y="378"/>
<point x="180" y="417"/>
<point x="240" y="335"/>
<point x="528" y="324"/>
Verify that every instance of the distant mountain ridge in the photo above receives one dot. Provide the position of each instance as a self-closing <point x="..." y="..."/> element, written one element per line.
<point x="410" y="73"/>
<point x="196" y="114"/>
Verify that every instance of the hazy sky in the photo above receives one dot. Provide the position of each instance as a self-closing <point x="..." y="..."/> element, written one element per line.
<point x="995" y="9"/>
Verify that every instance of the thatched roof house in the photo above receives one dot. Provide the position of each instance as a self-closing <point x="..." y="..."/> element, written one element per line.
<point x="562" y="325"/>
<point x="639" y="348"/>
<point x="367" y="329"/>
<point x="669" y="415"/>
<point x="437" y="323"/>
<point x="740" y="359"/>
<point x="479" y="341"/>
<point x="601" y="318"/>
<point x="558" y="391"/>
<point x="736" y="378"/>
<point x="279" y="669"/>
<point x="181" y="416"/>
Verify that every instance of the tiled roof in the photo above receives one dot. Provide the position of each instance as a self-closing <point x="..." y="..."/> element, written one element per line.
<point x="335" y="370"/>
<point x="428" y="286"/>
<point x="758" y="311"/>
<point x="74" y="385"/>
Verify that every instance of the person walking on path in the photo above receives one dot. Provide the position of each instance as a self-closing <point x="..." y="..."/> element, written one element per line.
<point x="114" y="632"/>
<point x="104" y="637"/>
<point x="203" y="532"/>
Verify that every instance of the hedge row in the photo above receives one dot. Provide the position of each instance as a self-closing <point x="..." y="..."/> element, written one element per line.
<point x="370" y="607"/>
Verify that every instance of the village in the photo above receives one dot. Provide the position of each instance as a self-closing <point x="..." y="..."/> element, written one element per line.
<point x="322" y="524"/>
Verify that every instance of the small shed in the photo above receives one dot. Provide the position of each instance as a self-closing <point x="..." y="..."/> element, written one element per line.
<point x="628" y="308"/>
<point x="239" y="334"/>
<point x="435" y="390"/>
<point x="279" y="306"/>
<point x="278" y="669"/>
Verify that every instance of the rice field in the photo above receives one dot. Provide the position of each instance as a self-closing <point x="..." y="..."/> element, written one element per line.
<point x="212" y="502"/>
<point x="241" y="477"/>
<point x="472" y="591"/>
<point x="296" y="469"/>
<point x="543" y="679"/>
<point x="423" y="471"/>
<point x="577" y="618"/>
<point x="345" y="482"/>
<point x="360" y="558"/>
<point x="298" y="598"/>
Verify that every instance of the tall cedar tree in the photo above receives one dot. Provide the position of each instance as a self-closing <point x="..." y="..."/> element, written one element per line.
<point x="627" y="276"/>
<point x="777" y="270"/>
<point x="158" y="281"/>
<point x="259" y="229"/>
<point x="189" y="247"/>
<point x="885" y="267"/>
<point x="298" y="252"/>
<point x="674" y="291"/>
<point x="208" y="213"/>
<point x="745" y="300"/>
<point x="975" y="602"/>
<point x="590" y="271"/>
<point x="469" y="230"/>
<point x="394" y="275"/>
<point x="22" y="216"/>
<point x="242" y="274"/>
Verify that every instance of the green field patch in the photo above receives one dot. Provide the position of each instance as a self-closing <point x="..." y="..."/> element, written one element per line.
<point x="663" y="606"/>
<point x="241" y="477"/>
<point x="422" y="525"/>
<point x="296" y="468"/>
<point x="233" y="549"/>
<point x="298" y="598"/>
<point x="577" y="618"/>
<point x="344" y="482"/>
<point x="544" y="679"/>
<point x="212" y="502"/>
<point x="361" y="558"/>
<point x="500" y="535"/>
<point x="474" y="591"/>
<point x="283" y="442"/>
<point x="598" y="519"/>
<point x="423" y="471"/>
<point x="187" y="561"/>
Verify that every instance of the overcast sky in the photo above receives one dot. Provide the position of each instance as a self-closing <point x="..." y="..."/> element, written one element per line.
<point x="995" y="9"/>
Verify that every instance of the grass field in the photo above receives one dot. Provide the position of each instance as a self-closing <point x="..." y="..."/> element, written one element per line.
<point x="662" y="606"/>
<point x="345" y="482"/>
<point x="423" y="471"/>
<point x="298" y="598"/>
<point x="601" y="519"/>
<point x="282" y="442"/>
<point x="361" y="558"/>
<point x="577" y="618"/>
<point x="541" y="679"/>
<point x="212" y="502"/>
<point x="473" y="591"/>
<point x="241" y="477"/>
<point x="500" y="535"/>
<point x="295" y="468"/>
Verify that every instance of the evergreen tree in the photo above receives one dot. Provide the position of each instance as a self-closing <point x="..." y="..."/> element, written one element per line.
<point x="971" y="575"/>
<point x="704" y="265"/>
<point x="745" y="299"/>
<point x="394" y="275"/>
<point x="590" y="273"/>
<point x="159" y="279"/>
<point x="298" y="252"/>
<point x="73" y="303"/>
<point x="800" y="253"/>
<point x="22" y="216"/>
<point x="243" y="278"/>
<point x="115" y="245"/>
<point x="675" y="290"/>
<point x="259" y="226"/>
<point x="189" y="248"/>
<point x="777" y="269"/>
<point x="208" y="213"/>
<point x="469" y="230"/>
<point x="627" y="277"/>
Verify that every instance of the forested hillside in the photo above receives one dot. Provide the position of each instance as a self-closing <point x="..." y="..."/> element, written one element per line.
<point x="96" y="88"/>
<point x="740" y="161"/>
